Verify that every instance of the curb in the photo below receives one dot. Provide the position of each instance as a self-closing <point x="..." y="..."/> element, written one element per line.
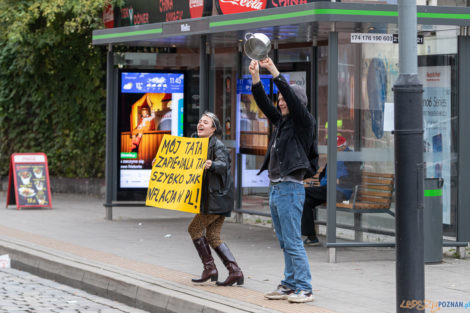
<point x="140" y="291"/>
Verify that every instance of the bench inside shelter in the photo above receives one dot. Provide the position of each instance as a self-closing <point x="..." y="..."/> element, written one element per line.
<point x="374" y="194"/>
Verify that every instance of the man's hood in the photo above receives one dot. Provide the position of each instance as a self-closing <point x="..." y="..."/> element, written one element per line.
<point x="300" y="93"/>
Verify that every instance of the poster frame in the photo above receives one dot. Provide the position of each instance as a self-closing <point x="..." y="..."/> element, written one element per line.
<point x="139" y="194"/>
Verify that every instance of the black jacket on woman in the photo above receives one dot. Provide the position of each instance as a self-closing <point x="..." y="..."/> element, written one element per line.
<point x="294" y="134"/>
<point x="217" y="194"/>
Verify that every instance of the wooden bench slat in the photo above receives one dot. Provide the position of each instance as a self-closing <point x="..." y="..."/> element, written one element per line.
<point x="383" y="194"/>
<point x="378" y="187"/>
<point x="372" y="199"/>
<point x="343" y="205"/>
<point x="378" y="181"/>
<point x="361" y="206"/>
<point x="374" y="195"/>
<point x="372" y="174"/>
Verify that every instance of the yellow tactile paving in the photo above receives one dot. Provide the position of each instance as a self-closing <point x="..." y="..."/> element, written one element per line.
<point x="237" y="293"/>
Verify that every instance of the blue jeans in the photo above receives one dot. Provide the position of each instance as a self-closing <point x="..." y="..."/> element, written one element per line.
<point x="286" y="201"/>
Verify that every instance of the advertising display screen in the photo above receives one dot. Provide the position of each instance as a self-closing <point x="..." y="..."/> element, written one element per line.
<point x="151" y="104"/>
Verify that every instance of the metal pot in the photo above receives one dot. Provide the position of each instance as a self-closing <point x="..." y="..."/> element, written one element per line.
<point x="257" y="46"/>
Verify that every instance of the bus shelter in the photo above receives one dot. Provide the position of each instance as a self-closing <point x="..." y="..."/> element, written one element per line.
<point x="344" y="54"/>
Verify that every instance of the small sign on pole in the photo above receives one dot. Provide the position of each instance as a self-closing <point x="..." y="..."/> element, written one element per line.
<point x="28" y="181"/>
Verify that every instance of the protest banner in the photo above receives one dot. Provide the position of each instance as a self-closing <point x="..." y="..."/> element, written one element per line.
<point x="176" y="178"/>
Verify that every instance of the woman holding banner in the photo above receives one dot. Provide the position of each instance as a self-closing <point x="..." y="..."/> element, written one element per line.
<point x="216" y="204"/>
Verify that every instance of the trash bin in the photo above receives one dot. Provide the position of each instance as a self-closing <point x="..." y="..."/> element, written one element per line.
<point x="432" y="220"/>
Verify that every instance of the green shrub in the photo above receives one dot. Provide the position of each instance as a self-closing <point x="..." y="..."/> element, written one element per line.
<point x="52" y="84"/>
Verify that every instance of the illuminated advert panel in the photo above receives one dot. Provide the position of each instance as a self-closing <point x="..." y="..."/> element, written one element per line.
<point x="150" y="105"/>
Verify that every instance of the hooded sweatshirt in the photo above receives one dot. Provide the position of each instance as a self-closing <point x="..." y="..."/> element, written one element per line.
<point x="293" y="141"/>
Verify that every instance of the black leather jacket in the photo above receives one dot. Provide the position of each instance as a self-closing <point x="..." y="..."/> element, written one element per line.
<point x="295" y="133"/>
<point x="217" y="196"/>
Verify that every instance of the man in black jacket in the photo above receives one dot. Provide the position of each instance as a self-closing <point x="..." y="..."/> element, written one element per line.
<point x="291" y="156"/>
<point x="347" y="176"/>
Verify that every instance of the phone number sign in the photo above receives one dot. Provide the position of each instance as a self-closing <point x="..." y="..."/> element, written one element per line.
<point x="371" y="38"/>
<point x="380" y="38"/>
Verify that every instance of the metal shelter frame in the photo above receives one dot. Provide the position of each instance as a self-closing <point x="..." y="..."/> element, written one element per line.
<point x="316" y="21"/>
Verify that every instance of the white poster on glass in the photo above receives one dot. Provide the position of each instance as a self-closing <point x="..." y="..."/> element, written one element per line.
<point x="436" y="82"/>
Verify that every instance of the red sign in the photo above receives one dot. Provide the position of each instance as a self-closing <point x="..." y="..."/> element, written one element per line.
<point x="28" y="181"/>
<point x="108" y="16"/>
<point x="239" y="6"/>
<point x="196" y="8"/>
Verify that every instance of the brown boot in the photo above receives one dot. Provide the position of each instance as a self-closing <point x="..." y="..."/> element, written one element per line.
<point x="210" y="271"/>
<point x="235" y="274"/>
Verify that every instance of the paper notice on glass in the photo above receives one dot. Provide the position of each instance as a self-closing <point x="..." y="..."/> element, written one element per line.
<point x="389" y="116"/>
<point x="5" y="261"/>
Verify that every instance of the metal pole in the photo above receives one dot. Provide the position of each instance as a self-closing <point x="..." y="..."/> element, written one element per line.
<point x="238" y="168"/>
<point x="276" y="61"/>
<point x="331" y="149"/>
<point x="313" y="81"/>
<point x="408" y="94"/>
<point x="109" y="175"/>
<point x="203" y="94"/>
<point x="408" y="60"/>
<point x="463" y="213"/>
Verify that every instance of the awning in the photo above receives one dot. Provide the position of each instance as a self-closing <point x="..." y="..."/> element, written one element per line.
<point x="298" y="23"/>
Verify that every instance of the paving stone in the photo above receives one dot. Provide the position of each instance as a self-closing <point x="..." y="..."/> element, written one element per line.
<point x="22" y="292"/>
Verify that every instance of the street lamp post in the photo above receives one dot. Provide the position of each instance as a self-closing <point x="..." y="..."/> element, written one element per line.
<point x="408" y="94"/>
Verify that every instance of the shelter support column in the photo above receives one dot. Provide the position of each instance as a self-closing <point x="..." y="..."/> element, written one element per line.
<point x="331" y="150"/>
<point x="110" y="138"/>
<point x="203" y="76"/>
<point x="238" y="167"/>
<point x="463" y="208"/>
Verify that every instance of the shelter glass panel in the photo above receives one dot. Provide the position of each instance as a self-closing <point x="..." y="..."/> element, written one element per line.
<point x="365" y="153"/>
<point x="255" y="128"/>
<point x="437" y="71"/>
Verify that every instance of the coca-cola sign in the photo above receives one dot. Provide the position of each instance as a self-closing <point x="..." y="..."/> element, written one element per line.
<point x="239" y="6"/>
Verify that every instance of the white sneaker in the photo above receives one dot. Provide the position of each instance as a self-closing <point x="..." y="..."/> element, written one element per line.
<point x="301" y="296"/>
<point x="281" y="293"/>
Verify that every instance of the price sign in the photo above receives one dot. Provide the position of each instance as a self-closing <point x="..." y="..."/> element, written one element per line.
<point x="28" y="181"/>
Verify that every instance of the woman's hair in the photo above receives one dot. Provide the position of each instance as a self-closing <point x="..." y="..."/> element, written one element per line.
<point x="215" y="122"/>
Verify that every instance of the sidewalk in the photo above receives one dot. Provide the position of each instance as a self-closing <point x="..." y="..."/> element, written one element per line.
<point x="144" y="257"/>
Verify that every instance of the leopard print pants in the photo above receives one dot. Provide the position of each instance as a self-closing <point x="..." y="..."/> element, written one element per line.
<point x="211" y="223"/>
